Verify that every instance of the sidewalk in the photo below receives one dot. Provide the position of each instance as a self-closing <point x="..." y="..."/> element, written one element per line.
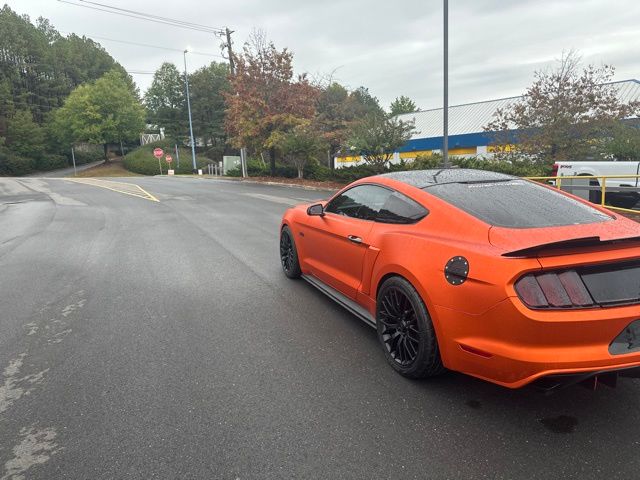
<point x="65" y="172"/>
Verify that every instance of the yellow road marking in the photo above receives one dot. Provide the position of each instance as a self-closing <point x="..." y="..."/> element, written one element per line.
<point x="121" y="187"/>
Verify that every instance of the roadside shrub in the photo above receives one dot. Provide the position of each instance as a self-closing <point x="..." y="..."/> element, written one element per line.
<point x="318" y="172"/>
<point x="142" y="161"/>
<point x="521" y="168"/>
<point x="426" y="162"/>
<point x="87" y="153"/>
<point x="51" y="162"/>
<point x="15" y="165"/>
<point x="236" y="172"/>
<point x="255" y="168"/>
<point x="351" y="174"/>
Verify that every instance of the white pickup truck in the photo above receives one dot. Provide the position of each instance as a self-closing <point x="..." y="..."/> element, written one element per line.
<point x="621" y="192"/>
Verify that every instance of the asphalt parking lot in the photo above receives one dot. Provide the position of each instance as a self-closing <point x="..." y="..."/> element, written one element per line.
<point x="148" y="332"/>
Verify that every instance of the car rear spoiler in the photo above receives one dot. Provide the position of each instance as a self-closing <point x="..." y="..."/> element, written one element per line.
<point x="572" y="243"/>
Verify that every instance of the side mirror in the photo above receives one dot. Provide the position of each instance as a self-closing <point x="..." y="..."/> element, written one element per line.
<point x="316" y="210"/>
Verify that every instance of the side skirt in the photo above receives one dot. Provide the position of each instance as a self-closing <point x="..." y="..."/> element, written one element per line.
<point x="341" y="299"/>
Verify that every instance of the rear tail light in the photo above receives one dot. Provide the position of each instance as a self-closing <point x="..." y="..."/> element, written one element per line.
<point x="553" y="290"/>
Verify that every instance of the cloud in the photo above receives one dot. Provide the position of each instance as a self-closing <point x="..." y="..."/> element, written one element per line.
<point x="393" y="48"/>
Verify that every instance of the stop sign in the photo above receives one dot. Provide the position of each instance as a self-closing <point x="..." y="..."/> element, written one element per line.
<point x="168" y="158"/>
<point x="158" y="152"/>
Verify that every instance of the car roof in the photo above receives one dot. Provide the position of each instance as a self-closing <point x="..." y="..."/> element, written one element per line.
<point x="427" y="178"/>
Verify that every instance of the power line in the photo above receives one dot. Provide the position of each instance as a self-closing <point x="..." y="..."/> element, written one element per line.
<point x="149" y="18"/>
<point x="196" y="25"/>
<point x="221" y="32"/>
<point x="145" y="45"/>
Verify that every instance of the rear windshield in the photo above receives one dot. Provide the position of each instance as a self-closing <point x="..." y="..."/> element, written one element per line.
<point x="516" y="204"/>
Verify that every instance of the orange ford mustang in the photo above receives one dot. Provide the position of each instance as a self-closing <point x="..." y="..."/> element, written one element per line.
<point x="483" y="273"/>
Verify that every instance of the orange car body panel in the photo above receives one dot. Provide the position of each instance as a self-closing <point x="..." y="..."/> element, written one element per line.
<point x="483" y="328"/>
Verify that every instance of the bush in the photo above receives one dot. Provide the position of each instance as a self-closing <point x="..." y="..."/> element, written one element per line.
<point x="51" y="162"/>
<point x="142" y="161"/>
<point x="319" y="172"/>
<point x="255" y="168"/>
<point x="351" y="174"/>
<point x="15" y="165"/>
<point x="87" y="153"/>
<point x="426" y="162"/>
<point x="522" y="168"/>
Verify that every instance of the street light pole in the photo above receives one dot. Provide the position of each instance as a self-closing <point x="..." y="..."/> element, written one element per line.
<point x="193" y="143"/>
<point x="445" y="110"/>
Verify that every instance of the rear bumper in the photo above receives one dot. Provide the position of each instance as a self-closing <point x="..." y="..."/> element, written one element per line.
<point x="591" y="379"/>
<point x="513" y="346"/>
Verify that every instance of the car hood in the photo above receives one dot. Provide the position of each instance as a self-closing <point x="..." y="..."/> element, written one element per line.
<point x="532" y="241"/>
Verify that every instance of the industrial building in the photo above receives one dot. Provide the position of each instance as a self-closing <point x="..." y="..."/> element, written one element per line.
<point x="466" y="127"/>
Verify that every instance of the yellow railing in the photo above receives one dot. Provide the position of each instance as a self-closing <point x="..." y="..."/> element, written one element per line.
<point x="602" y="184"/>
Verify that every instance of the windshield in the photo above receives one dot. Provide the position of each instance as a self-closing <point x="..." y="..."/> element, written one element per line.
<point x="516" y="204"/>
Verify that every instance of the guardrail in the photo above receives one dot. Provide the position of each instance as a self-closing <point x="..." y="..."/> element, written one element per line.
<point x="598" y="184"/>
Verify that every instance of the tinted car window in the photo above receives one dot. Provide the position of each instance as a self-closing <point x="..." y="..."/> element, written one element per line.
<point x="516" y="204"/>
<point x="400" y="209"/>
<point x="363" y="201"/>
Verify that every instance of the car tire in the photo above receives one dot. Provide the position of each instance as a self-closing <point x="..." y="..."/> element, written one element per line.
<point x="623" y="201"/>
<point x="595" y="196"/>
<point x="289" y="254"/>
<point x="405" y="330"/>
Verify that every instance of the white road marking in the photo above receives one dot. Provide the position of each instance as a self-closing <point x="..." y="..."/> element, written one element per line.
<point x="10" y="186"/>
<point x="35" y="448"/>
<point x="73" y="307"/>
<point x="57" y="338"/>
<point x="41" y="186"/>
<point x="273" y="198"/>
<point x="14" y="386"/>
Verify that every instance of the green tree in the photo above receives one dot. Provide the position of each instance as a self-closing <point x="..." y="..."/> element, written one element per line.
<point x="402" y="105"/>
<point x="301" y="145"/>
<point x="39" y="67"/>
<point x="166" y="102"/>
<point x="624" y="143"/>
<point x="566" y="114"/>
<point x="208" y="87"/>
<point x="24" y="136"/>
<point x="377" y="137"/>
<point x="334" y="117"/>
<point x="103" y="112"/>
<point x="362" y="103"/>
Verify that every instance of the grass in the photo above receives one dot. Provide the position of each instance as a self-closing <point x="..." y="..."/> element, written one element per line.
<point x="111" y="169"/>
<point x="142" y="161"/>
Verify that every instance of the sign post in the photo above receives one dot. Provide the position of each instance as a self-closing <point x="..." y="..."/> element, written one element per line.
<point x="169" y="159"/>
<point x="158" y="153"/>
<point x="73" y="157"/>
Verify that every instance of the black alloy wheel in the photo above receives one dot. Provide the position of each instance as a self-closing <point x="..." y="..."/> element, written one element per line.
<point x="400" y="326"/>
<point x="405" y="330"/>
<point x="289" y="254"/>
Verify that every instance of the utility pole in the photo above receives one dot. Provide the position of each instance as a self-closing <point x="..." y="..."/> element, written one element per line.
<point x="445" y="110"/>
<point x="232" y="68"/>
<point x="193" y="142"/>
<point x="232" y="63"/>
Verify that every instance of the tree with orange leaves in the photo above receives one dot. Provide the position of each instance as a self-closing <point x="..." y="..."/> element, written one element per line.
<point x="265" y="100"/>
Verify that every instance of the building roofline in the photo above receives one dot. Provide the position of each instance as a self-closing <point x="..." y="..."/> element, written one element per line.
<point x="502" y="99"/>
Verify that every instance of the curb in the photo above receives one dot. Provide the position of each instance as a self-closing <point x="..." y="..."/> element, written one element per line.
<point x="240" y="180"/>
<point x="295" y="185"/>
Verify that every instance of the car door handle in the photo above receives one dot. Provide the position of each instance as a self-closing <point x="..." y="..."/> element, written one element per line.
<point x="354" y="239"/>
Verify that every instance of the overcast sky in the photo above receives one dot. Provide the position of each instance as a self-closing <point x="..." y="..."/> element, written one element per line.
<point x="392" y="47"/>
